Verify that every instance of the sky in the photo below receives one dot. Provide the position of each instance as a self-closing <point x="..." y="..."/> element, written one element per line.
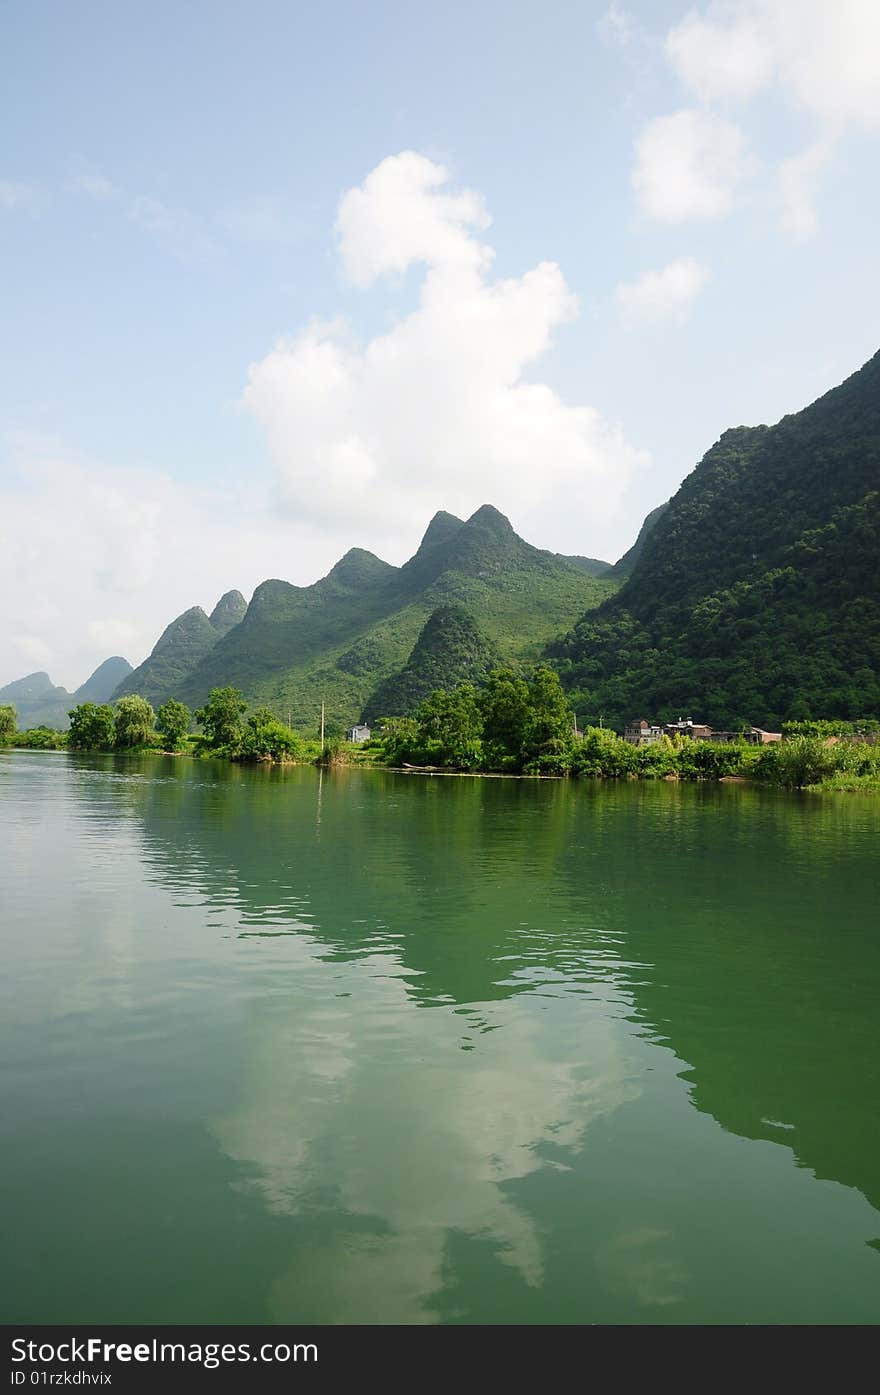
<point x="277" y="280"/>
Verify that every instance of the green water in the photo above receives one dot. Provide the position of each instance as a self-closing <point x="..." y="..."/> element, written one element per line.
<point x="282" y="1047"/>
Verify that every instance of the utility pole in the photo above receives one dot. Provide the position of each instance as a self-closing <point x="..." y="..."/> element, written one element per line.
<point x="322" y="724"/>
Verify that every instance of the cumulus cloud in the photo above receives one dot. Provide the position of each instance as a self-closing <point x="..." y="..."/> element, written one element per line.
<point x="823" y="58"/>
<point x="438" y="412"/>
<point x="401" y="214"/>
<point x="665" y="294"/>
<point x="367" y="440"/>
<point x="724" y="54"/>
<point x="688" y="165"/>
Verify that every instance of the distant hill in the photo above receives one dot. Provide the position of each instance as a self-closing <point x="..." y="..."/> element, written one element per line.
<point x="339" y="639"/>
<point x="756" y="594"/>
<point x="34" y="687"/>
<point x="450" y="649"/>
<point x="181" y="647"/>
<point x="39" y="703"/>
<point x="104" y="681"/>
<point x="591" y="565"/>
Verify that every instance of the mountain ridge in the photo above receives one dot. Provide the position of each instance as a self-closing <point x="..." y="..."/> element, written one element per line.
<point x="755" y="594"/>
<point x="39" y="702"/>
<point x="337" y="640"/>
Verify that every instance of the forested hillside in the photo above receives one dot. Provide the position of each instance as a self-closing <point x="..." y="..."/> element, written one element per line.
<point x="755" y="595"/>
<point x="181" y="647"/>
<point x="338" y="640"/>
<point x="451" y="649"/>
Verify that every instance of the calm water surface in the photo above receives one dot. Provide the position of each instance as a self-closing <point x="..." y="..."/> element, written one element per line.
<point x="283" y="1047"/>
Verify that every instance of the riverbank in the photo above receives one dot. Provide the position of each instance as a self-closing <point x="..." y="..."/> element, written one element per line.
<point x="802" y="764"/>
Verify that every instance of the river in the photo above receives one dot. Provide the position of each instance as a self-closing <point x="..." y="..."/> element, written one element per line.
<point x="289" y="1046"/>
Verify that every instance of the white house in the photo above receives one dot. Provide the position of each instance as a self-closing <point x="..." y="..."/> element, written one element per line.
<point x="358" y="733"/>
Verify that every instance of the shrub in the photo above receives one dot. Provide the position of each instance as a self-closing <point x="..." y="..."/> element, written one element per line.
<point x="805" y="760"/>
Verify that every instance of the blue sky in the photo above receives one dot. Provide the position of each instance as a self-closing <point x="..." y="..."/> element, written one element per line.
<point x="277" y="279"/>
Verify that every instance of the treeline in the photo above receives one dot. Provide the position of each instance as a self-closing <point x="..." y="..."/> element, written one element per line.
<point x="519" y="725"/>
<point x="513" y="724"/>
<point x="131" y="724"/>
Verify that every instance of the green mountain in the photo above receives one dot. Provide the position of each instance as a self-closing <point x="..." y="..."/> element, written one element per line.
<point x="181" y="647"/>
<point x="339" y="639"/>
<point x="450" y="649"/>
<point x="591" y="565"/>
<point x="228" y="612"/>
<point x="755" y="595"/>
<point x="104" y="681"/>
<point x="39" y="703"/>
<point x="34" y="687"/>
<point x="626" y="563"/>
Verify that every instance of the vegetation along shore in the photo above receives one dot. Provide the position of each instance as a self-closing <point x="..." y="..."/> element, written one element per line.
<point x="512" y="724"/>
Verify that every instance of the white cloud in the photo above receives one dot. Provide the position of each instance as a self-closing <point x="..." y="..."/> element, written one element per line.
<point x="665" y="294"/>
<point x="688" y="165"/>
<point x="94" y="186"/>
<point x="724" y="54"/>
<point x="823" y="57"/>
<point x="367" y="441"/>
<point x="798" y="183"/>
<point x="438" y="412"/>
<point x="15" y="195"/>
<point x="96" y="560"/>
<point x="823" y="54"/>
<point x="400" y="215"/>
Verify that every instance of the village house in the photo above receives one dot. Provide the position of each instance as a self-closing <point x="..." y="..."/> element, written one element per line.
<point x="686" y="726"/>
<point x="642" y="733"/>
<point x="359" y="732"/>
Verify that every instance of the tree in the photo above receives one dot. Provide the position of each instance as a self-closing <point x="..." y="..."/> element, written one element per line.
<point x="551" y="724"/>
<point x="92" y="728"/>
<point x="134" y="722"/>
<point x="172" y="723"/>
<point x="7" y="724"/>
<point x="450" y="727"/>
<point x="221" y="717"/>
<point x="505" y="709"/>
